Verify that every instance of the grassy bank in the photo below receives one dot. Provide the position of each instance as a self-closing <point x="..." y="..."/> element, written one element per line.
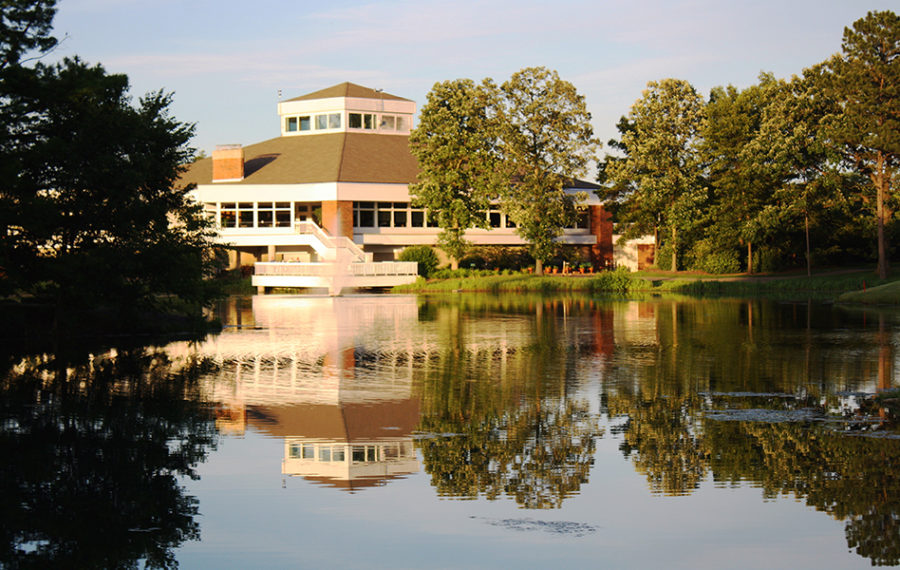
<point x="886" y="294"/>
<point x="827" y="284"/>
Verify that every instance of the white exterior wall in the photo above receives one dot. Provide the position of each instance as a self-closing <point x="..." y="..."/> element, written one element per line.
<point x="625" y="254"/>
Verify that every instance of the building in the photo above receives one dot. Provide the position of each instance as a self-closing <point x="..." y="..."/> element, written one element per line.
<point x="342" y="160"/>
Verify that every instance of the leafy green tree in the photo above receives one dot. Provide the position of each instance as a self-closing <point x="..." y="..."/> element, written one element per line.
<point x="547" y="140"/>
<point x="95" y="215"/>
<point x="864" y="81"/>
<point x="455" y="145"/>
<point x="739" y="190"/>
<point x="662" y="167"/>
<point x="791" y="151"/>
<point x="423" y="255"/>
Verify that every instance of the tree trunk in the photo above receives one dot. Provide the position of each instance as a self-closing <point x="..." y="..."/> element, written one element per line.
<point x="880" y="181"/>
<point x="674" y="249"/>
<point x="538" y="267"/>
<point x="749" y="258"/>
<point x="454" y="263"/>
<point x="656" y="245"/>
<point x="808" y="253"/>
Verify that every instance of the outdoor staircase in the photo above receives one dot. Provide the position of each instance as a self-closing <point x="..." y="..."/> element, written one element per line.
<point x="342" y="263"/>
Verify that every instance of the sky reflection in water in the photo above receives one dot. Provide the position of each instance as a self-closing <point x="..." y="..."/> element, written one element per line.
<point x="476" y="431"/>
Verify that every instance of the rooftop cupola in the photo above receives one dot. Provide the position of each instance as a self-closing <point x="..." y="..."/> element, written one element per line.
<point x="348" y="108"/>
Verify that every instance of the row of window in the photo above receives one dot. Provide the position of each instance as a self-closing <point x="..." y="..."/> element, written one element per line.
<point x="329" y="121"/>
<point x="357" y="453"/>
<point x="365" y="215"/>
<point x="305" y="122"/>
<point x="403" y="215"/>
<point x="258" y="214"/>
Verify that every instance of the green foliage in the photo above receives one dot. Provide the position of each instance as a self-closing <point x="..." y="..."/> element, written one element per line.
<point x="706" y="257"/>
<point x="547" y="139"/>
<point x="520" y="145"/>
<point x="423" y="255"/>
<point x="455" y="144"/>
<point x="99" y="219"/>
<point x="864" y="82"/>
<point x="497" y="257"/>
<point x="659" y="181"/>
<point x="740" y="185"/>
<point x="618" y="281"/>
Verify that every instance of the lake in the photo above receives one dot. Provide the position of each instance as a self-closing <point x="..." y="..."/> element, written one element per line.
<point x="462" y="431"/>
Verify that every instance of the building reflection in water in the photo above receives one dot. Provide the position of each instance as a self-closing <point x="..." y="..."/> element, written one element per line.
<point x="314" y="374"/>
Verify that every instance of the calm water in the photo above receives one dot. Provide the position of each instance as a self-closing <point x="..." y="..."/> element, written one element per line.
<point x="467" y="431"/>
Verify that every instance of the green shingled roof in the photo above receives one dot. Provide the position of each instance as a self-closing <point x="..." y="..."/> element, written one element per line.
<point x="306" y="159"/>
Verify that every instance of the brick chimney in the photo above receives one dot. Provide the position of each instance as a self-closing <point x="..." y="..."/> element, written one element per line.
<point x="228" y="163"/>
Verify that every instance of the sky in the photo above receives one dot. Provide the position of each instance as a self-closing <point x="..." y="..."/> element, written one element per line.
<point x="226" y="62"/>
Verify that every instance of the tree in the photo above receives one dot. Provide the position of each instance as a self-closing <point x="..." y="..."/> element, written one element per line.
<point x="547" y="139"/>
<point x="95" y="216"/>
<point x="791" y="150"/>
<point x="662" y="162"/>
<point x="739" y="189"/>
<point x="25" y="26"/>
<point x="455" y="145"/>
<point x="864" y="80"/>
<point x="633" y="216"/>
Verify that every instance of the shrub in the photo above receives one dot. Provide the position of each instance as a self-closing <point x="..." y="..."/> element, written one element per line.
<point x="706" y="257"/>
<point x="423" y="255"/>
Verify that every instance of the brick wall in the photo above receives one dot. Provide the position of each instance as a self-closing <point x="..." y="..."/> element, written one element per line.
<point x="602" y="227"/>
<point x="228" y="163"/>
<point x="337" y="218"/>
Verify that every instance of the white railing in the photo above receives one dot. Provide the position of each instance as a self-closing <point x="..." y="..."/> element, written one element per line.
<point x="360" y="269"/>
<point x="332" y="242"/>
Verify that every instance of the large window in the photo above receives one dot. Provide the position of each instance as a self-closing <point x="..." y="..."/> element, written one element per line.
<point x="387" y="215"/>
<point x="245" y="214"/>
<point x="253" y="215"/>
<point x="361" y="121"/>
<point x="228" y="215"/>
<point x="273" y="214"/>
<point x="364" y="214"/>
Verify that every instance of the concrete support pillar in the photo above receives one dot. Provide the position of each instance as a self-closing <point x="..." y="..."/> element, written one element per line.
<point x="270" y="253"/>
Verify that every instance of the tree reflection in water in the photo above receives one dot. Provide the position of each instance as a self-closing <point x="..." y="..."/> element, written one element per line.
<point x="683" y="418"/>
<point x="499" y="415"/>
<point x="99" y="446"/>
